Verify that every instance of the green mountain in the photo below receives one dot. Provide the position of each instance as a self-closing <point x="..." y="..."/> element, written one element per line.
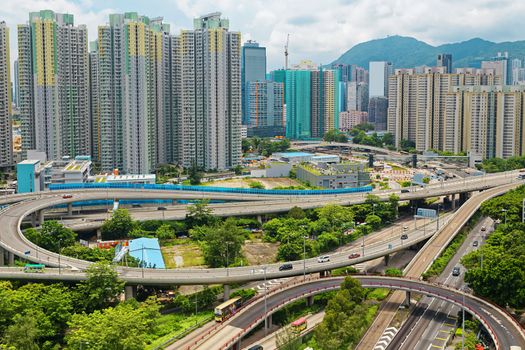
<point x="407" y="52"/>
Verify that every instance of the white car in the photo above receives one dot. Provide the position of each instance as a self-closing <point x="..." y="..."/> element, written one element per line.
<point x="323" y="259"/>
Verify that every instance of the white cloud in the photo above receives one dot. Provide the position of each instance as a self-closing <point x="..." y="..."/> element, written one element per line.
<point x="319" y="30"/>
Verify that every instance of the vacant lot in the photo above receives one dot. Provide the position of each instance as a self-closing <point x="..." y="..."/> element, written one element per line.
<point x="182" y="253"/>
<point x="268" y="183"/>
<point x="258" y="252"/>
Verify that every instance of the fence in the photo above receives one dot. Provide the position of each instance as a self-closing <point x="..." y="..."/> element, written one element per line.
<point x="170" y="187"/>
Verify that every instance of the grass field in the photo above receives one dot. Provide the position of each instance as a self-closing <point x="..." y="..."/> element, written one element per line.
<point x="181" y="253"/>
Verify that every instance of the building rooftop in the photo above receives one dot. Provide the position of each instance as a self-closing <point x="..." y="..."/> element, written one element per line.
<point x="147" y="250"/>
<point x="30" y="161"/>
<point x="294" y="154"/>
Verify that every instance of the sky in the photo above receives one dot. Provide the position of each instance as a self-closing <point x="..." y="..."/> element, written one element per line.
<point x="319" y="30"/>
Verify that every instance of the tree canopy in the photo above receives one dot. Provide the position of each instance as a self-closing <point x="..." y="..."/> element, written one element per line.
<point x="102" y="287"/>
<point x="335" y="136"/>
<point x="118" y="226"/>
<point x="51" y="236"/>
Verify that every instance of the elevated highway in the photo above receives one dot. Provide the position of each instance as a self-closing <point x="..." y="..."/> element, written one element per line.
<point x="503" y="329"/>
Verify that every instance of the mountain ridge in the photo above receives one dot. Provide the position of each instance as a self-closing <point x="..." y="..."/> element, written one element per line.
<point x="407" y="52"/>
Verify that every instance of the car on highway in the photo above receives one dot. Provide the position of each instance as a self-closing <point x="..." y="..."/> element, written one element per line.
<point x="475" y="243"/>
<point x="67" y="196"/>
<point x="285" y="267"/>
<point x="322" y="259"/>
<point x="405" y="191"/>
<point x="483" y="229"/>
<point x="256" y="347"/>
<point x="354" y="255"/>
<point x="404" y="236"/>
<point x="161" y="208"/>
<point x="456" y="271"/>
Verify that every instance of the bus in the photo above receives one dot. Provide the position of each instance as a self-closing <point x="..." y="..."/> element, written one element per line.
<point x="34" y="268"/>
<point x="226" y="309"/>
<point x="299" y="325"/>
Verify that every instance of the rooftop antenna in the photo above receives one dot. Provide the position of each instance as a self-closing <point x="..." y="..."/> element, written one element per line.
<point x="286" y="52"/>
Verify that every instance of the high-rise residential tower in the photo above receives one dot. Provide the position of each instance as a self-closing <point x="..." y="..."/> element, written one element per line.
<point x="209" y="86"/>
<point x="378" y="78"/>
<point x="134" y="63"/>
<point x="445" y="60"/>
<point x="298" y="99"/>
<point x="253" y="69"/>
<point x="6" y="138"/>
<point x="54" y="85"/>
<point x="94" y="102"/>
<point x="325" y="106"/>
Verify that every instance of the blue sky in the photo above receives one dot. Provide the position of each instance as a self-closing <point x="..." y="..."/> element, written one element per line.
<point x="319" y="30"/>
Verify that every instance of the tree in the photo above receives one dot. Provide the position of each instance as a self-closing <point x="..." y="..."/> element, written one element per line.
<point x="90" y="254"/>
<point x="374" y="221"/>
<point x="335" y="136"/>
<point x="165" y="232"/>
<point x="102" y="287"/>
<point x="119" y="226"/>
<point x="296" y="213"/>
<point x="388" y="139"/>
<point x="23" y="333"/>
<point x="195" y="175"/>
<point x="52" y="235"/>
<point x="126" y="326"/>
<point x="222" y="244"/>
<point x="238" y="170"/>
<point x="407" y="145"/>
<point x="200" y="214"/>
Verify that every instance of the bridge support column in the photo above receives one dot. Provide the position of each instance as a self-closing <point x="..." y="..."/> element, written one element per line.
<point x="130" y="292"/>
<point x="310" y="300"/>
<point x="10" y="258"/>
<point x="406" y="303"/>
<point x="2" y="257"/>
<point x="33" y="219"/>
<point x="453" y="201"/>
<point x="325" y="273"/>
<point x="227" y="291"/>
<point x="99" y="234"/>
<point x="236" y="345"/>
<point x="269" y="321"/>
<point x="387" y="259"/>
<point x="260" y="219"/>
<point x="40" y="214"/>
<point x="69" y="209"/>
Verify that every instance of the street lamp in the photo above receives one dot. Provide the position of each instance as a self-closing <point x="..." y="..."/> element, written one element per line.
<point x="304" y="257"/>
<point x="265" y="303"/>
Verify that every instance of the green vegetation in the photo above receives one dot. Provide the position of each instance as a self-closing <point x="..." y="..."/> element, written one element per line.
<point x="335" y="136"/>
<point x="256" y="184"/>
<point x="359" y="136"/>
<point x="501" y="278"/>
<point x="264" y="147"/>
<point x="195" y="175"/>
<point x="393" y="272"/>
<point x="346" y="318"/>
<point x="328" y="227"/>
<point x="408" y="146"/>
<point x="167" y="171"/>
<point x="447" y="153"/>
<point x="118" y="226"/>
<point x="496" y="165"/>
<point x="52" y="236"/>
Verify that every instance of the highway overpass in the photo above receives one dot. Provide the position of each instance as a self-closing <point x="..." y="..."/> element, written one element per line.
<point x="503" y="329"/>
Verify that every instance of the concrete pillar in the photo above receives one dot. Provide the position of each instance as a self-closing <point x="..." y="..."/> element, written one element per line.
<point x="387" y="259"/>
<point x="227" y="291"/>
<point x="33" y="220"/>
<point x="310" y="300"/>
<point x="406" y="303"/>
<point x="453" y="201"/>
<point x="269" y="321"/>
<point x="40" y="214"/>
<point x="130" y="292"/>
<point x="99" y="234"/>
<point x="69" y="209"/>
<point x="236" y="345"/>
<point x="2" y="257"/>
<point x="10" y="258"/>
<point x="259" y="218"/>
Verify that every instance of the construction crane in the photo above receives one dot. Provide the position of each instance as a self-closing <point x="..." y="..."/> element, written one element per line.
<point x="286" y="52"/>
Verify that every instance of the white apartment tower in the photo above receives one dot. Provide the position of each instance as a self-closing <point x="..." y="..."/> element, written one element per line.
<point x="54" y="85"/>
<point x="6" y="138"/>
<point x="209" y="88"/>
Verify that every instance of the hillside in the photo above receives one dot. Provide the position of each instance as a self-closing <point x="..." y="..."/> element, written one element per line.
<point x="410" y="52"/>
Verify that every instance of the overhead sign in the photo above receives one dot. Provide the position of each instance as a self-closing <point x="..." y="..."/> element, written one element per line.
<point x="426" y="213"/>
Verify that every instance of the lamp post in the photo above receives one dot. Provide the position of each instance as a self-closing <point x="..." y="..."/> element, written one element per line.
<point x="504" y="211"/>
<point x="304" y="257"/>
<point x="59" y="269"/>
<point x="265" y="303"/>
